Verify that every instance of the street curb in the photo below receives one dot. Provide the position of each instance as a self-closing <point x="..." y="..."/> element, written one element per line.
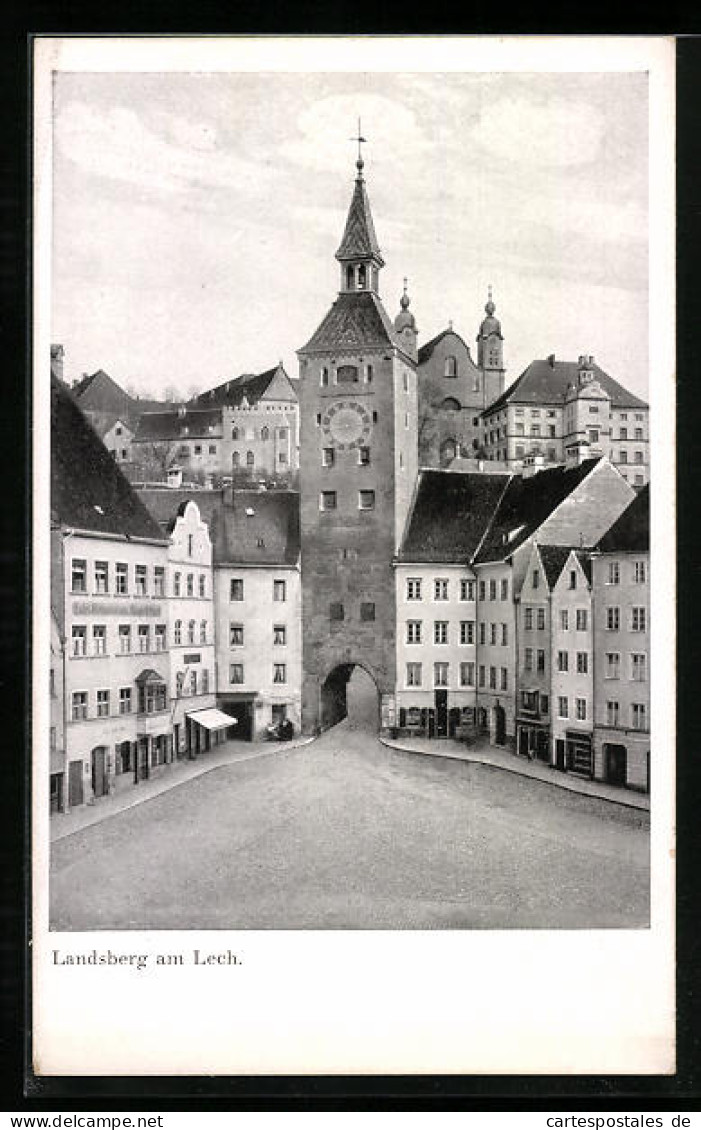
<point x="477" y="760"/>
<point x="137" y="800"/>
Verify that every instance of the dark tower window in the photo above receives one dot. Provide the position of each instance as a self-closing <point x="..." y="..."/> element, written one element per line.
<point x="336" y="611"/>
<point x="349" y="277"/>
<point x="327" y="500"/>
<point x="367" y="611"/>
<point x="369" y="372"/>
<point x="451" y="367"/>
<point x="347" y="374"/>
<point x="364" y="456"/>
<point x="324" y="377"/>
<point x="450" y="404"/>
<point x="235" y="459"/>
<point x="234" y="433"/>
<point x="264" y="433"/>
<point x="362" y="277"/>
<point x="250" y="459"/>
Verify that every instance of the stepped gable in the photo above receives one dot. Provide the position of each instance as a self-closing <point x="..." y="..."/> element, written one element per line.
<point x="88" y="490"/>
<point x="525" y="505"/>
<point x="450" y="514"/>
<point x="357" y="320"/>
<point x="256" y="528"/>
<point x="630" y="533"/>
<point x="165" y="504"/>
<point x="546" y="383"/>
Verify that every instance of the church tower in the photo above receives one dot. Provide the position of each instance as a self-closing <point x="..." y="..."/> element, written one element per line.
<point x="490" y="353"/>
<point x="358" y="468"/>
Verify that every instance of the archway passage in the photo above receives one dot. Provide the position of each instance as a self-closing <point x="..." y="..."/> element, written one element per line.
<point x="350" y="692"/>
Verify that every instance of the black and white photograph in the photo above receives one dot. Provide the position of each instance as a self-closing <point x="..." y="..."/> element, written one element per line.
<point x="350" y="386"/>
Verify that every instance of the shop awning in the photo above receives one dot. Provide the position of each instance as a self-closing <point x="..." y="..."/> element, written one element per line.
<point x="212" y="719"/>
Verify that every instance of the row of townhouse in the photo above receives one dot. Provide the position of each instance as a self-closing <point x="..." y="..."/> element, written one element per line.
<point x="161" y="633"/>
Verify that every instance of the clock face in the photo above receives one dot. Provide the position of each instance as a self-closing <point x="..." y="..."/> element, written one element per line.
<point x="347" y="424"/>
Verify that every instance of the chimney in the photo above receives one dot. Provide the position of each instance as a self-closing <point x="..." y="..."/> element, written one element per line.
<point x="57" y="355"/>
<point x="551" y="360"/>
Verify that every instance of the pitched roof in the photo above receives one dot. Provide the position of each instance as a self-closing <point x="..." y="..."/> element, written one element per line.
<point x="450" y="514"/>
<point x="357" y="320"/>
<point x="164" y="426"/>
<point x="359" y="239"/>
<point x="100" y="393"/>
<point x="555" y="557"/>
<point x="544" y="382"/>
<point x="88" y="490"/>
<point x="427" y="349"/>
<point x="166" y="503"/>
<point x="525" y="505"/>
<point x="257" y="528"/>
<point x="251" y="385"/>
<point x="631" y="531"/>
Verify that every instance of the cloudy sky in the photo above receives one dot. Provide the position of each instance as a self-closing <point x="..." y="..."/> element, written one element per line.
<point x="196" y="216"/>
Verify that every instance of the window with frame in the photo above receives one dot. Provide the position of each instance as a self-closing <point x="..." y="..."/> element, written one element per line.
<point x="413" y="631"/>
<point x="639" y="572"/>
<point x="440" y="589"/>
<point x="493" y="635"/>
<point x="328" y="500"/>
<point x="535" y="578"/>
<point x="573" y="578"/>
<point x="125" y="700"/>
<point x="159" y="581"/>
<point x="541" y="619"/>
<point x="178" y="633"/>
<point x="623" y="457"/>
<point x="176" y="584"/>
<point x="79" y="706"/>
<point x="467" y="589"/>
<point x="328" y="457"/>
<point x="540" y="659"/>
<point x="504" y="684"/>
<point x="529" y="701"/>
<point x="79" y="637"/>
<point x="336" y="611"/>
<point x="279" y="672"/>
<point x="624" y="433"/>
<point x="638" y="433"/>
<point x="528" y="618"/>
<point x="367" y="611"/>
<point x="121" y="578"/>
<point x="483" y="634"/>
<point x="563" y="660"/>
<point x="152" y="698"/>
<point x="101" y="577"/>
<point x="582" y="662"/>
<point x="279" y="635"/>
<point x="160" y="637"/>
<point x="191" y="631"/>
<point x="78" y="575"/>
<point x="143" y="635"/>
<point x="440" y="674"/>
<point x="413" y="674"/>
<point x="563" y="706"/>
<point x="190" y="584"/>
<point x="638" y="666"/>
<point x="99" y="639"/>
<point x="103" y="704"/>
<point x="528" y="659"/>
<point x="236" y="588"/>
<point x="613" y="619"/>
<point x="250" y="459"/>
<point x="440" y="631"/>
<point x="235" y="635"/>
<point x="467" y="674"/>
<point x="564" y="619"/>
<point x="140" y="580"/>
<point x="613" y="576"/>
<point x="613" y="665"/>
<point x="638" y="619"/>
<point x="582" y="620"/>
<point x="613" y="713"/>
<point x="505" y="588"/>
<point x="451" y="367"/>
<point x="280" y="591"/>
<point x="580" y="707"/>
<point x="364" y="456"/>
<point x="467" y="631"/>
<point x="203" y="631"/>
<point x="520" y="430"/>
<point x="236" y="673"/>
<point x="504" y="635"/>
<point x="413" y="588"/>
<point x="482" y="590"/>
<point x="202" y="582"/>
<point x="179" y="683"/>
<point x="205" y="680"/>
<point x="492" y="678"/>
<point x="639" y="715"/>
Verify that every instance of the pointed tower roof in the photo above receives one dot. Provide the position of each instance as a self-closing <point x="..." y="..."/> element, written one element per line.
<point x="359" y="239"/>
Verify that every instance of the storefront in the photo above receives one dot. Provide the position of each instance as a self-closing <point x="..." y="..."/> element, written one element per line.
<point x="579" y="753"/>
<point x="206" y="728"/>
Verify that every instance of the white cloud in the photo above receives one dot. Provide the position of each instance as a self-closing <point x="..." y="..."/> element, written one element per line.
<point x="530" y="132"/>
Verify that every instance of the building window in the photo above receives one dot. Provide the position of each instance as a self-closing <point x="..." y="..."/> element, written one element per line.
<point x="279" y="635"/>
<point x="540" y="659"/>
<point x="202" y="585"/>
<point x="280" y="591"/>
<point x="205" y="680"/>
<point x="190" y="544"/>
<point x="236" y="588"/>
<point x="79" y="636"/>
<point x="573" y="578"/>
<point x="235" y="635"/>
<point x="482" y="590"/>
<point x="467" y="589"/>
<point x="528" y="618"/>
<point x="78" y="575"/>
<point x="638" y="621"/>
<point x="541" y="619"/>
<point x="580" y="707"/>
<point x="451" y="367"/>
<point x="235" y="458"/>
<point x="79" y="707"/>
<point x="492" y="678"/>
<point x="440" y="589"/>
<point x="564" y="619"/>
<point x="366" y="500"/>
<point x="440" y="631"/>
<point x="413" y="674"/>
<point x="198" y="449"/>
<point x="364" y="456"/>
<point x="639" y="715"/>
<point x="190" y="584"/>
<point x="505" y="588"/>
<point x="638" y="434"/>
<point x="483" y="634"/>
<point x="125" y="700"/>
<point x="265" y="433"/>
<point x="160" y="637"/>
<point x="504" y="679"/>
<point x="504" y="635"/>
<point x="203" y="632"/>
<point x="191" y="631"/>
<point x="612" y="713"/>
<point x="176" y="584"/>
<point x="613" y="619"/>
<point x="159" y="581"/>
<point x="99" y="639"/>
<point x="328" y="457"/>
<point x="493" y="634"/>
<point x="535" y="429"/>
<point x="492" y="589"/>
<point x="324" y="377"/>
<point x="178" y="633"/>
<point x="535" y="579"/>
<point x="327" y="500"/>
<point x="152" y="698"/>
<point x="413" y="631"/>
<point x="467" y="674"/>
<point x="121" y="580"/>
<point x="638" y="663"/>
<point x="593" y="435"/>
<point x="613" y="665"/>
<point x="624" y="433"/>
<point x="614" y="573"/>
<point x="520" y="430"/>
<point x="440" y="674"/>
<point x="250" y="459"/>
<point x="563" y="707"/>
<point x="279" y="672"/>
<point x="236" y="673"/>
<point x="563" y="660"/>
<point x="336" y="611"/>
<point x="143" y="636"/>
<point x="582" y="619"/>
<point x="103" y="704"/>
<point x="623" y="457"/>
<point x="212" y="449"/>
<point x="528" y="659"/>
<point x="582" y="662"/>
<point x="467" y="631"/>
<point x="101" y="577"/>
<point x="413" y="588"/>
<point x="367" y="611"/>
<point x="639" y="572"/>
<point x="140" y="581"/>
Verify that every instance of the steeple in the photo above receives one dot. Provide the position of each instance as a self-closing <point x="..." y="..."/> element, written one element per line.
<point x="359" y="252"/>
<point x="489" y="338"/>
<point x="405" y="325"/>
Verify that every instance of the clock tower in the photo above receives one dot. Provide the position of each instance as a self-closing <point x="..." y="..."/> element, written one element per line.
<point x="358" y="467"/>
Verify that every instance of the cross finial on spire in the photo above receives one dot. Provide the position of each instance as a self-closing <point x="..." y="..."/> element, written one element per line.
<point x="361" y="141"/>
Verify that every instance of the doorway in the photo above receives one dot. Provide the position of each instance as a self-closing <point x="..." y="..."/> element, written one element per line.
<point x="560" y="754"/>
<point x="56" y="794"/>
<point x="75" y="783"/>
<point x="499" y="725"/>
<point x="98" y="771"/>
<point x="616" y="759"/>
<point x="349" y="691"/>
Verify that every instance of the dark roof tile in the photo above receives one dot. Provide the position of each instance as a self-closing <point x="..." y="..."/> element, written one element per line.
<point x="357" y="320"/>
<point x="450" y="514"/>
<point x="546" y="383"/>
<point x="631" y="531"/>
<point x="257" y="528"/>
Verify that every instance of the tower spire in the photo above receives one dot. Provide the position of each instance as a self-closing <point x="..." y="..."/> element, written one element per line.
<point x="359" y="253"/>
<point x="359" y="164"/>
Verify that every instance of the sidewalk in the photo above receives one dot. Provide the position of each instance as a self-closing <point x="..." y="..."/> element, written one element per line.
<point x="228" y="753"/>
<point x="512" y="763"/>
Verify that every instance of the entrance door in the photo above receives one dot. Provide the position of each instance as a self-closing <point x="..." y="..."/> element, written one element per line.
<point x="75" y="783"/>
<point x="98" y="772"/>
<point x="56" y="800"/>
<point x="616" y="764"/>
<point x="499" y="725"/>
<point x="560" y="754"/>
<point x="441" y="714"/>
<point x="142" y="768"/>
<point x="523" y="742"/>
<point x="542" y="749"/>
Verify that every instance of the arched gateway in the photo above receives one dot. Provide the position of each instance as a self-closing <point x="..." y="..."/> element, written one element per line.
<point x="349" y="690"/>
